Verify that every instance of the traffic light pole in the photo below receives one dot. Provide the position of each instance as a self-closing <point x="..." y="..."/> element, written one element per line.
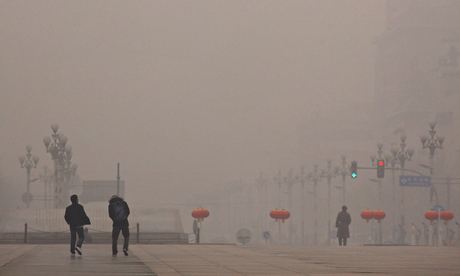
<point x="395" y="169"/>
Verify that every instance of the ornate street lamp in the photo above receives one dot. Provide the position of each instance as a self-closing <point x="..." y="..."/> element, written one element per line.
<point x="393" y="161"/>
<point x="262" y="194"/>
<point x="329" y="173"/>
<point x="302" y="178"/>
<point x="432" y="142"/>
<point x="399" y="156"/>
<point x="343" y="171"/>
<point x="315" y="177"/>
<point x="290" y="180"/>
<point x="64" y="170"/>
<point x="373" y="159"/>
<point x="402" y="154"/>
<point x="28" y="162"/>
<point x="278" y="179"/>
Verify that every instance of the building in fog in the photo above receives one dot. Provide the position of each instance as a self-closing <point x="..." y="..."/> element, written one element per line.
<point x="418" y="71"/>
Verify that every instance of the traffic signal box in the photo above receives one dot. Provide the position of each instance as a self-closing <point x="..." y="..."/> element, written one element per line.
<point x="354" y="169"/>
<point x="380" y="168"/>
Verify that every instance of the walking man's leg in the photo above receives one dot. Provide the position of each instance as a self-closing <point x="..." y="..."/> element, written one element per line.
<point x="125" y="232"/>
<point x="81" y="238"/>
<point x="340" y="241"/>
<point x="115" y="234"/>
<point x="73" y="238"/>
<point x="344" y="241"/>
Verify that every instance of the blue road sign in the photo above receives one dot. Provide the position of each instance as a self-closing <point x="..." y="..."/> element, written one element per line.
<point x="415" y="181"/>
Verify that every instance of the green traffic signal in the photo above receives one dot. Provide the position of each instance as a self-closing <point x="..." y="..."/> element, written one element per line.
<point x="354" y="169"/>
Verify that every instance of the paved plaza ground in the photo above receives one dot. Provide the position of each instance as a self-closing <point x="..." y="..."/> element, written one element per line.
<point x="203" y="259"/>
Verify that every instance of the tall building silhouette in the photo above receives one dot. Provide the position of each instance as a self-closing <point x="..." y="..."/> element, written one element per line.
<point x="417" y="72"/>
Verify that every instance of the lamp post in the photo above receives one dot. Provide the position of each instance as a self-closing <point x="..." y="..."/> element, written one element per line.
<point x="329" y="173"/>
<point x="290" y="181"/>
<point x="402" y="155"/>
<point x="278" y="179"/>
<point x="61" y="154"/>
<point x="432" y="142"/>
<point x="28" y="162"/>
<point x="46" y="178"/>
<point x="343" y="171"/>
<point x="377" y="237"/>
<point x="379" y="183"/>
<point x="392" y="161"/>
<point x="302" y="178"/>
<point x="261" y="186"/>
<point x="315" y="177"/>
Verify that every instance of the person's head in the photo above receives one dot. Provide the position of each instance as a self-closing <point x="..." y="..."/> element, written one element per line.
<point x="114" y="198"/>
<point x="74" y="199"/>
<point x="344" y="208"/>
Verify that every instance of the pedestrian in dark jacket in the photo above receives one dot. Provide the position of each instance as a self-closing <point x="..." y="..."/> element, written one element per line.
<point x="119" y="212"/>
<point x="76" y="217"/>
<point x="342" y="222"/>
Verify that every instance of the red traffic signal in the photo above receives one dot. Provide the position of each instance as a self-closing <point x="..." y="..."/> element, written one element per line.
<point x="380" y="168"/>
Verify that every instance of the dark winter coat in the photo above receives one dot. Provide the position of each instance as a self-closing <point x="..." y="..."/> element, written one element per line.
<point x="342" y="222"/>
<point x="118" y="212"/>
<point x="75" y="215"/>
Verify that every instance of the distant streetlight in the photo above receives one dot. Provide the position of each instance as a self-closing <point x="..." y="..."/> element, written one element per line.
<point x="373" y="159"/>
<point x="399" y="156"/>
<point x="432" y="142"/>
<point x="302" y="178"/>
<point x="290" y="180"/>
<point x="28" y="162"/>
<point x="402" y="154"/>
<point x="379" y="183"/>
<point x="329" y="173"/>
<point x="64" y="170"/>
<point x="315" y="177"/>
<point x="343" y="171"/>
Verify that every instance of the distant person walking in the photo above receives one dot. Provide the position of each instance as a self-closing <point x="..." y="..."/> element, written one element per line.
<point x="119" y="212"/>
<point x="342" y="222"/>
<point x="76" y="217"/>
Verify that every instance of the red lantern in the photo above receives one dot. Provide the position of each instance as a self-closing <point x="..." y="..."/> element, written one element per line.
<point x="446" y="216"/>
<point x="379" y="215"/>
<point x="367" y="215"/>
<point x="431" y="215"/>
<point x="280" y="214"/>
<point x="200" y="213"/>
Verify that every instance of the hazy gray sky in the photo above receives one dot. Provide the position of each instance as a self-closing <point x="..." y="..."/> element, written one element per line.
<point x="185" y="94"/>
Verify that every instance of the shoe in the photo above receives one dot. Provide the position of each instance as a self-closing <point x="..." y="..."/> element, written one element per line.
<point x="125" y="251"/>
<point x="114" y="254"/>
<point x="78" y="249"/>
<point x="72" y="254"/>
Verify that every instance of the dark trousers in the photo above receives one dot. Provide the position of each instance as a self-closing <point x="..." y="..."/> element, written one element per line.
<point x="115" y="233"/>
<point x="342" y="241"/>
<point x="73" y="237"/>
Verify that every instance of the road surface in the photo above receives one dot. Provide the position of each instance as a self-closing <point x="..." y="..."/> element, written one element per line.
<point x="204" y="259"/>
